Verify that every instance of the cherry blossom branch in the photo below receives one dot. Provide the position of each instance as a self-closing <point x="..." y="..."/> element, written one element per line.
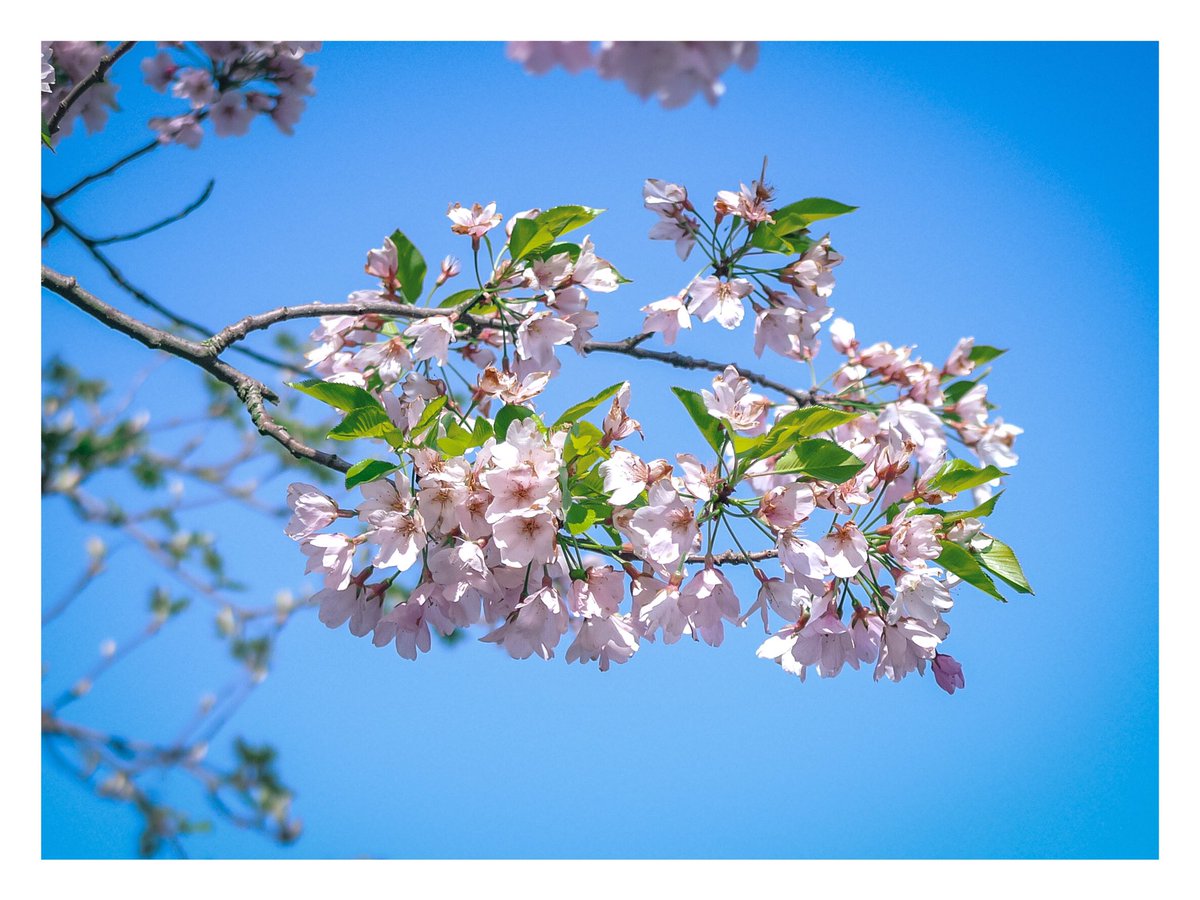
<point x="92" y="78"/>
<point x="250" y="391"/>
<point x="629" y="347"/>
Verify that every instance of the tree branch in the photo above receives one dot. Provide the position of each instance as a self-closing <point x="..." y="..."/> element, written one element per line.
<point x="250" y="391"/>
<point x="92" y="78"/>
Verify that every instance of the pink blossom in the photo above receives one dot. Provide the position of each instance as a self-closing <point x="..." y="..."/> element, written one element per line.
<point x="195" y="86"/>
<point x="618" y="424"/>
<point x="662" y="197"/>
<point x="406" y="627"/>
<point x="666" y="317"/>
<point x="332" y="556"/>
<point x="312" y="510"/>
<point x="708" y="599"/>
<point x="920" y="596"/>
<point x="948" y="672"/>
<point x="607" y="639"/>
<point x="383" y="263"/>
<point x="915" y="539"/>
<point x="230" y="115"/>
<point x="476" y="221"/>
<point x="432" y="337"/>
<point x="733" y="401"/>
<point x="845" y="550"/>
<point x="536" y="626"/>
<point x="960" y="363"/>
<point x="539" y="57"/>
<point x="713" y="298"/>
<point x="682" y="231"/>
<point x="158" y="70"/>
<point x="540" y="333"/>
<point x="658" y="607"/>
<point x="599" y="593"/>
<point x="526" y="537"/>
<point x="803" y="560"/>
<point x="183" y="130"/>
<point x="906" y="646"/>
<point x="786" y="507"/>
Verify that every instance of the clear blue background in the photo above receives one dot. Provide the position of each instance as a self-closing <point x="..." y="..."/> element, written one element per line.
<point x="1007" y="192"/>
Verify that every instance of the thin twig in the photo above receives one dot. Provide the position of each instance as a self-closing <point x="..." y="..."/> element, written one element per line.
<point x="163" y="223"/>
<point x="105" y="172"/>
<point x="92" y="78"/>
<point x="253" y="393"/>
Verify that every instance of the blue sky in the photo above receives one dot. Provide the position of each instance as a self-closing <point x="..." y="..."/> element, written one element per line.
<point x="1007" y="191"/>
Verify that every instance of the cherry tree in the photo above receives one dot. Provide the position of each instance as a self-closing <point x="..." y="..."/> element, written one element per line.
<point x="442" y="497"/>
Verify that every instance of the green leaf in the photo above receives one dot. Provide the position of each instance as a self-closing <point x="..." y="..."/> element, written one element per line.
<point x="768" y="236"/>
<point x="958" y="475"/>
<point x="46" y="139"/>
<point x="366" y="421"/>
<point x="956" y="391"/>
<point x="528" y="237"/>
<point x="458" y="297"/>
<point x="583" y="514"/>
<point x="509" y="414"/>
<point x="963" y="564"/>
<point x="983" y="509"/>
<point x="1000" y="559"/>
<point x="803" y="213"/>
<point x="368" y="470"/>
<point x="428" y="416"/>
<point x="456" y="439"/>
<point x="558" y="220"/>
<point x="982" y="353"/>
<point x="811" y="420"/>
<point x="581" y="409"/>
<point x="708" y="424"/>
<point x="410" y="267"/>
<point x="342" y="396"/>
<point x="572" y="250"/>
<point x="820" y="459"/>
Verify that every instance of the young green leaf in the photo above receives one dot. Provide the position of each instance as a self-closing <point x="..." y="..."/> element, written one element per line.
<point x="820" y="459"/>
<point x="1000" y="559"/>
<point x="558" y="220"/>
<point x="803" y="213"/>
<point x="955" y="392"/>
<point x="342" y="396"/>
<point x="368" y="470"/>
<point x="963" y="564"/>
<point x="983" y="509"/>
<point x="410" y="267"/>
<point x="428" y="416"/>
<point x="458" y="297"/>
<point x="509" y="414"/>
<point x="958" y="475"/>
<point x="528" y="237"/>
<point x="710" y="427"/>
<point x="365" y="421"/>
<point x="982" y="353"/>
<point x="810" y="420"/>
<point x="581" y="409"/>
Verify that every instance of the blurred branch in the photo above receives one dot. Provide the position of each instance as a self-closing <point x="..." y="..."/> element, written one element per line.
<point x="163" y="223"/>
<point x="253" y="393"/>
<point x="92" y="78"/>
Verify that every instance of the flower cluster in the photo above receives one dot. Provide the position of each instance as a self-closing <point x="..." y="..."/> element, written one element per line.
<point x="672" y="72"/>
<point x="545" y="530"/>
<point x="229" y="83"/>
<point x="66" y="63"/>
<point x="225" y="82"/>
